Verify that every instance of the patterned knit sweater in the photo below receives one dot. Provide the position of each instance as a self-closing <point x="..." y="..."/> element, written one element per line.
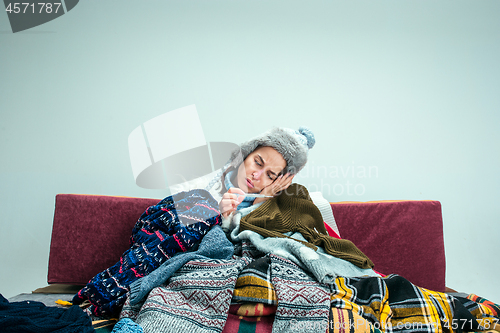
<point x="294" y="211"/>
<point x="176" y="224"/>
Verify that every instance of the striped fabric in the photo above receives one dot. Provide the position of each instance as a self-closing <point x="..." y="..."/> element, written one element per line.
<point x="254" y="283"/>
<point x="252" y="309"/>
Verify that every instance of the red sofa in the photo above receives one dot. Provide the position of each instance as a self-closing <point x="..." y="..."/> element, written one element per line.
<point x="90" y="232"/>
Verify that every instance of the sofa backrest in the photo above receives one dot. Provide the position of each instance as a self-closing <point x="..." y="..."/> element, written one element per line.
<point x="400" y="237"/>
<point x="91" y="232"/>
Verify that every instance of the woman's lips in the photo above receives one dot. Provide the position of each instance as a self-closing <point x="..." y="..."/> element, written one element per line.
<point x="249" y="183"/>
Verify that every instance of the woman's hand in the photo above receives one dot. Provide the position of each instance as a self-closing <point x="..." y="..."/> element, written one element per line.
<point x="230" y="201"/>
<point x="280" y="184"/>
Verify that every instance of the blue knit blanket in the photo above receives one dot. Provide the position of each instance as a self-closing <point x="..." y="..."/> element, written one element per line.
<point x="176" y="224"/>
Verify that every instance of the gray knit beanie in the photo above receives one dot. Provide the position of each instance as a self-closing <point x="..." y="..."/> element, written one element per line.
<point x="293" y="145"/>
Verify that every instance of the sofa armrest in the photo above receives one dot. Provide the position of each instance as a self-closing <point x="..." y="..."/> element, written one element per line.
<point x="401" y="237"/>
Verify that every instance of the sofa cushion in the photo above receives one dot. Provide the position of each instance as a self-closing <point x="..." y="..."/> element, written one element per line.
<point x="401" y="237"/>
<point x="89" y="234"/>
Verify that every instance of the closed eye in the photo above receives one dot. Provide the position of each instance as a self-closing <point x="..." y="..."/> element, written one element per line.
<point x="272" y="175"/>
<point x="259" y="161"/>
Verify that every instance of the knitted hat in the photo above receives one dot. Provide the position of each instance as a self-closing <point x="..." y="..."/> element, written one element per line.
<point x="293" y="145"/>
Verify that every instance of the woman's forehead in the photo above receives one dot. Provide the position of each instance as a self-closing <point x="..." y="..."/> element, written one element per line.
<point x="270" y="156"/>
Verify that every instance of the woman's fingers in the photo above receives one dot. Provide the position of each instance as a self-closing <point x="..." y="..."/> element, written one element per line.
<point x="281" y="183"/>
<point x="233" y="198"/>
<point x="236" y="190"/>
<point x="226" y="207"/>
<point x="230" y="201"/>
<point x="236" y="194"/>
<point x="284" y="181"/>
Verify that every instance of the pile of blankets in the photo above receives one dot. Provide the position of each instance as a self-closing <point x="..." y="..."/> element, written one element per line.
<point x="200" y="298"/>
<point x="183" y="273"/>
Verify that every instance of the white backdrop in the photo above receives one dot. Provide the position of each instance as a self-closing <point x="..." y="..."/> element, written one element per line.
<point x="404" y="93"/>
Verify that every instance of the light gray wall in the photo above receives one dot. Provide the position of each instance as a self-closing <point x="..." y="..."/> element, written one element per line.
<point x="408" y="88"/>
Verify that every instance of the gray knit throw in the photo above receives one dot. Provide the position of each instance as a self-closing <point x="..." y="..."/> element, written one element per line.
<point x="303" y="303"/>
<point x="196" y="298"/>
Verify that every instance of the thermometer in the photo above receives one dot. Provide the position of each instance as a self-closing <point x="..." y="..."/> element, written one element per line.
<point x="254" y="195"/>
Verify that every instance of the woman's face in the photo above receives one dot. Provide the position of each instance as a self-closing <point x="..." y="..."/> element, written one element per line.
<point x="259" y="169"/>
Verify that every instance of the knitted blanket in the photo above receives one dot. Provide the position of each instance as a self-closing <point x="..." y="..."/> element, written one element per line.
<point x="35" y="317"/>
<point x="323" y="266"/>
<point x="196" y="298"/>
<point x="176" y="224"/>
<point x="294" y="211"/>
<point x="214" y="245"/>
<point x="303" y="303"/>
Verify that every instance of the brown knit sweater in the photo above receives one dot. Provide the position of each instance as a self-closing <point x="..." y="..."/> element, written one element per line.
<point x="293" y="210"/>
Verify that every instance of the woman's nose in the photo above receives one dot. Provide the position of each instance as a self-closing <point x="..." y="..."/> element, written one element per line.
<point x="256" y="174"/>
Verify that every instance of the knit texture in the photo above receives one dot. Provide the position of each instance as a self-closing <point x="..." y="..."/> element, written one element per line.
<point x="214" y="245"/>
<point x="294" y="211"/>
<point x="127" y="325"/>
<point x="325" y="268"/>
<point x="196" y="299"/>
<point x="32" y="316"/>
<point x="176" y="224"/>
<point x="303" y="303"/>
<point x="198" y="296"/>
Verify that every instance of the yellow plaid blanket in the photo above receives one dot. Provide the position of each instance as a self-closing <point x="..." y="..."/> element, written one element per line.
<point x="393" y="304"/>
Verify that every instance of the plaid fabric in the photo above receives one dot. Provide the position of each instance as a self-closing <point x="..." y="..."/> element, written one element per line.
<point x="254" y="283"/>
<point x="393" y="304"/>
<point x="486" y="312"/>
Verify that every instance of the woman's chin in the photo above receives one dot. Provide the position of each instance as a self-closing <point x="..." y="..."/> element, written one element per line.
<point x="243" y="187"/>
<point x="253" y="190"/>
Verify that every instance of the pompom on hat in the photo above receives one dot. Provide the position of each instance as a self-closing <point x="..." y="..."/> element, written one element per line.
<point x="293" y="145"/>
